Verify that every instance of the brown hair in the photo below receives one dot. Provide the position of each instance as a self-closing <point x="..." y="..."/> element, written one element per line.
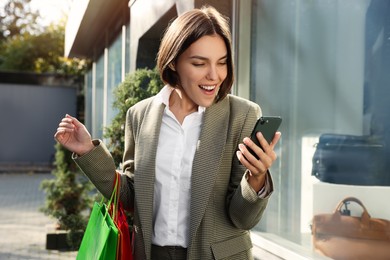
<point x="185" y="30"/>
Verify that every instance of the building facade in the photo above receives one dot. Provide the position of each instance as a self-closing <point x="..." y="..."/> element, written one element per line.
<point x="323" y="66"/>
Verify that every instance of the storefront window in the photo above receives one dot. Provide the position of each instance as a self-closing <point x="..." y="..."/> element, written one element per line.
<point x="88" y="99"/>
<point x="127" y="49"/>
<point x="99" y="99"/>
<point x="114" y="75"/>
<point x="323" y="66"/>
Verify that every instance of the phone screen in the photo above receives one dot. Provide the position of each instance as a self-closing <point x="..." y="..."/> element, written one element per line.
<point x="267" y="125"/>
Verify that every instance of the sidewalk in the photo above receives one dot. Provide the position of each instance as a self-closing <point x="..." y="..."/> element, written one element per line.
<point x="23" y="227"/>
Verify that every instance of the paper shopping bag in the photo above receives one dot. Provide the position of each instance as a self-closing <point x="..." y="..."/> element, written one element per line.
<point x="100" y="240"/>
<point x="101" y="236"/>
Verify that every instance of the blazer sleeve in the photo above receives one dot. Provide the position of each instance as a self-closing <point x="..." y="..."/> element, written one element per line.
<point x="100" y="168"/>
<point x="244" y="205"/>
<point x="98" y="165"/>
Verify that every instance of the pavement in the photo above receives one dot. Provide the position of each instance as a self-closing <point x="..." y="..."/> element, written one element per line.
<point x="23" y="227"/>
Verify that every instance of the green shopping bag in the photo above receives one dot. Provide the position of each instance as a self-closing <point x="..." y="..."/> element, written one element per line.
<point x="101" y="236"/>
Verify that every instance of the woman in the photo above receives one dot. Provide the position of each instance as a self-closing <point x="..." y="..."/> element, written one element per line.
<point x="195" y="189"/>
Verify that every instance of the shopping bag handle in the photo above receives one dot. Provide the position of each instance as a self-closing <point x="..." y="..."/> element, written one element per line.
<point x="113" y="202"/>
<point x="116" y="197"/>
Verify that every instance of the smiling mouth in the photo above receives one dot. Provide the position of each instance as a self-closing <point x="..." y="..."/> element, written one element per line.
<point x="208" y="88"/>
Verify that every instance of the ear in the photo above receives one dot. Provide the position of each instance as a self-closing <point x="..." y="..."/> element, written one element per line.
<point x="171" y="66"/>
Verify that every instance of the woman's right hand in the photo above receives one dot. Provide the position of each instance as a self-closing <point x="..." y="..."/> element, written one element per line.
<point x="74" y="136"/>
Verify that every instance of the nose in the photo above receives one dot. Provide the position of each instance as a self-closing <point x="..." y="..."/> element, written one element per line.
<point x="212" y="73"/>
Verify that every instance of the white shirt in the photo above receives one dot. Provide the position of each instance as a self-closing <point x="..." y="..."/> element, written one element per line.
<point x="172" y="189"/>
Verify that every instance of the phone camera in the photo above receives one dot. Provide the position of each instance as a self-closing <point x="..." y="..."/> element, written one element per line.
<point x="264" y="121"/>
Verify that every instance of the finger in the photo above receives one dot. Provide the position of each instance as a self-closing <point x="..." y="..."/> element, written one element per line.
<point x="61" y="136"/>
<point x="266" y="153"/>
<point x="267" y="160"/>
<point x="244" y="148"/>
<point x="66" y="124"/>
<point x="268" y="148"/>
<point x="76" y="122"/>
<point x="241" y="157"/>
<point x="263" y="142"/>
<point x="65" y="129"/>
<point x="254" y="147"/>
<point x="276" y="139"/>
<point x="244" y="161"/>
<point x="249" y="161"/>
<point x="58" y="133"/>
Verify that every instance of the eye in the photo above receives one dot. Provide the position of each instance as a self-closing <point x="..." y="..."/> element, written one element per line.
<point x="222" y="62"/>
<point x="198" y="64"/>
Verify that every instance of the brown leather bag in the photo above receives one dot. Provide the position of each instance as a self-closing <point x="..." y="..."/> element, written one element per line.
<point x="348" y="237"/>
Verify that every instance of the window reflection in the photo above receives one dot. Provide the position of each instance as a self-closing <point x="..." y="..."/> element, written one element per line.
<point x="114" y="76"/>
<point x="324" y="67"/>
<point x="99" y="99"/>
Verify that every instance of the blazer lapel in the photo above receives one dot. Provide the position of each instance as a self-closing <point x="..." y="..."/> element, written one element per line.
<point x="206" y="162"/>
<point x="145" y="168"/>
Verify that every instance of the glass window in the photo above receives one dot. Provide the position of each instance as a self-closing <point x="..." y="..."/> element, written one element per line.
<point x="127" y="49"/>
<point x="324" y="67"/>
<point x="99" y="99"/>
<point x="114" y="75"/>
<point x="88" y="99"/>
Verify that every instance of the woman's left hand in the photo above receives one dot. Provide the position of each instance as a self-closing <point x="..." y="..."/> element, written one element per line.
<point x="258" y="167"/>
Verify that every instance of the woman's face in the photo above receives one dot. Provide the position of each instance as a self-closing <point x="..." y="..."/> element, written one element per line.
<point x="202" y="68"/>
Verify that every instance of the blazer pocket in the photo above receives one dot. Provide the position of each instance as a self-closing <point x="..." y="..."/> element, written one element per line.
<point x="231" y="246"/>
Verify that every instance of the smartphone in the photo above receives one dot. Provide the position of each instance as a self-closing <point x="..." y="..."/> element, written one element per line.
<point x="267" y="125"/>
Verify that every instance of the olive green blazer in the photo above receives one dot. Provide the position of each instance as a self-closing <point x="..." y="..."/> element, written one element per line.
<point x="223" y="205"/>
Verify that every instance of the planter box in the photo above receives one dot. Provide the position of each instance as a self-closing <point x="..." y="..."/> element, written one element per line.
<point x="57" y="240"/>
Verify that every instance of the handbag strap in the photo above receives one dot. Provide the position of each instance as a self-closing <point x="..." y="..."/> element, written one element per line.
<point x="365" y="218"/>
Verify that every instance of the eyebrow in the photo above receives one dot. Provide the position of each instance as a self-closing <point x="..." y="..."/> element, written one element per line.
<point x="204" y="58"/>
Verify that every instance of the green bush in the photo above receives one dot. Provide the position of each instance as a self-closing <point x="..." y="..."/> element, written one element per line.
<point x="137" y="86"/>
<point x="67" y="196"/>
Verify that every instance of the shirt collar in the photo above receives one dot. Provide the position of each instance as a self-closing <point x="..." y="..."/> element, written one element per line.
<point x="165" y="93"/>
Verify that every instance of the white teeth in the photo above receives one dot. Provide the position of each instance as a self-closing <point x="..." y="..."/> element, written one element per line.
<point x="208" y="87"/>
